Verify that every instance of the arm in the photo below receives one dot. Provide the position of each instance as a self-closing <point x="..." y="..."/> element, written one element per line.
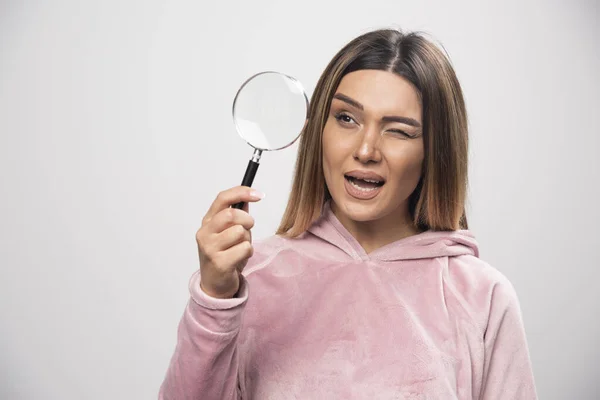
<point x="205" y="362"/>
<point x="507" y="371"/>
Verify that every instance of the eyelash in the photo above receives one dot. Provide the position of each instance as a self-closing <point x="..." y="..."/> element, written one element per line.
<point x="341" y="115"/>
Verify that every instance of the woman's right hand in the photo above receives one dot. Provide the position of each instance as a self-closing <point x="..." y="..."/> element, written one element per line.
<point x="225" y="242"/>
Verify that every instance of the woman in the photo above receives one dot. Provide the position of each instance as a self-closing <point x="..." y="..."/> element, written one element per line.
<point x="372" y="287"/>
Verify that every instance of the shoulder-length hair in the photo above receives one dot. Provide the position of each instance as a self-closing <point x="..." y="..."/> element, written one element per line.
<point x="438" y="202"/>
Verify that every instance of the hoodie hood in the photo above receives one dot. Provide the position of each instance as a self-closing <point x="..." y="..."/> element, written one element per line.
<point x="428" y="244"/>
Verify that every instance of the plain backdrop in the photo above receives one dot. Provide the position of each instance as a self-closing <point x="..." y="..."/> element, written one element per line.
<point x="116" y="135"/>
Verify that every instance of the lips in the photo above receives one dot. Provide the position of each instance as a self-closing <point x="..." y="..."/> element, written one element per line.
<point x="366" y="176"/>
<point x="363" y="185"/>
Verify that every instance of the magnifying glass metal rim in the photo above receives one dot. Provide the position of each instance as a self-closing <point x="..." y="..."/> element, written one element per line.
<point x="254" y="162"/>
<point x="296" y="83"/>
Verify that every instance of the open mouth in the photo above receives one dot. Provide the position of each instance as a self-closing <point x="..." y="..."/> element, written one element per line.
<point x="365" y="185"/>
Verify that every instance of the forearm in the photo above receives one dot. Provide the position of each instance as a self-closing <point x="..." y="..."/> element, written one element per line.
<point x="205" y="362"/>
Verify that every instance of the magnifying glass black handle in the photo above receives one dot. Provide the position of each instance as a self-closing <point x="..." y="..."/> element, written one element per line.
<point x="248" y="179"/>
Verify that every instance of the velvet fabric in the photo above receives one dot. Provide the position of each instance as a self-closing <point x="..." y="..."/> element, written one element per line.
<point x="317" y="317"/>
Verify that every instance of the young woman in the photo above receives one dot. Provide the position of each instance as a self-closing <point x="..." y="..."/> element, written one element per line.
<point x="372" y="287"/>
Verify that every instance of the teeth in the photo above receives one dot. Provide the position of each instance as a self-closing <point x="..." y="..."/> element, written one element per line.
<point x="362" y="188"/>
<point x="366" y="180"/>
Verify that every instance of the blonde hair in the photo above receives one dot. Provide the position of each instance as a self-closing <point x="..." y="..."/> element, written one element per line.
<point x="438" y="202"/>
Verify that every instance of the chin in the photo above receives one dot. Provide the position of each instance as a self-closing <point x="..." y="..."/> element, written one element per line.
<point x="360" y="211"/>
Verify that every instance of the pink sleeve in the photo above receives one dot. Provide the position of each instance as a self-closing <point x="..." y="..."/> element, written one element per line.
<point x="507" y="367"/>
<point x="204" y="364"/>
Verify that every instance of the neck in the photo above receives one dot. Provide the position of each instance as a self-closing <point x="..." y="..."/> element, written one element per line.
<point x="374" y="234"/>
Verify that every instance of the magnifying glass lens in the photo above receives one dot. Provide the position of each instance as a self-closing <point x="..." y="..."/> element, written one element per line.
<point x="269" y="112"/>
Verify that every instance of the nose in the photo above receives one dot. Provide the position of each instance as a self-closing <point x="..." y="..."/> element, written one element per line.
<point x="367" y="149"/>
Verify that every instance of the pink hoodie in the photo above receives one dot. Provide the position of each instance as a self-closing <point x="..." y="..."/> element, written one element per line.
<point x="319" y="318"/>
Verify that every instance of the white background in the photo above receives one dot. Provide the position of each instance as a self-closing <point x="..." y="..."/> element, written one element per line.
<point x="116" y="135"/>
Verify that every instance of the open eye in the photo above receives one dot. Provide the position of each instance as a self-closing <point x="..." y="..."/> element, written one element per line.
<point x="344" y="118"/>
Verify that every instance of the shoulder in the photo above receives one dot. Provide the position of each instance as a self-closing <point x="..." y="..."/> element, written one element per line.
<point x="265" y="250"/>
<point x="279" y="252"/>
<point x="479" y="287"/>
<point x="474" y="271"/>
<point x="269" y="244"/>
<point x="306" y="245"/>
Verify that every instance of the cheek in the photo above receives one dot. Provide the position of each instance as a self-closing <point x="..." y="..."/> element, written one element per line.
<point x="326" y="144"/>
<point x="408" y="163"/>
<point x="338" y="142"/>
<point x="325" y="141"/>
<point x="330" y="143"/>
<point x="415" y="165"/>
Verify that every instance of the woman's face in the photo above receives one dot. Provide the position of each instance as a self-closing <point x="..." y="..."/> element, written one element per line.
<point x="373" y="145"/>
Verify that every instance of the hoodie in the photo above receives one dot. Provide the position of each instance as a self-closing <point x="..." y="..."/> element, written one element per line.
<point x="316" y="317"/>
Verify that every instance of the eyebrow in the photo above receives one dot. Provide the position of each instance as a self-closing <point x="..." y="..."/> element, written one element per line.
<point x="392" y="118"/>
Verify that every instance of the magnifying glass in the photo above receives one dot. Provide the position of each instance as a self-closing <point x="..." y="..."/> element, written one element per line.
<point x="270" y="111"/>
